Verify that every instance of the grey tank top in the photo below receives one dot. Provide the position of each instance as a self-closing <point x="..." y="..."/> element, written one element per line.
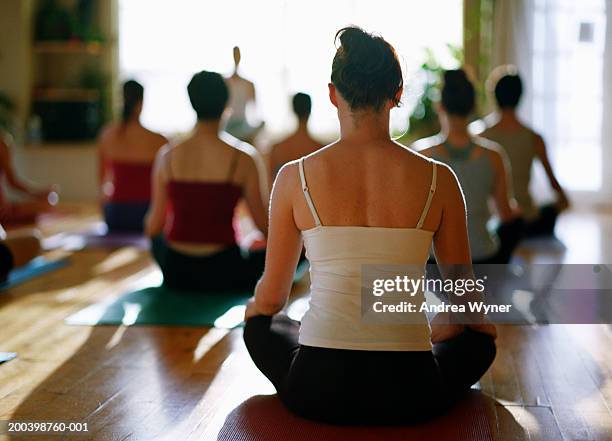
<point x="519" y="146"/>
<point x="477" y="179"/>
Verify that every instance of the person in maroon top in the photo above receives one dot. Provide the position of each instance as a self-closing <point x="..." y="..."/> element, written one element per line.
<point x="196" y="187"/>
<point x="126" y="151"/>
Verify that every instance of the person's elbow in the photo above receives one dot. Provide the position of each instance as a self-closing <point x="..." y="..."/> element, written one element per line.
<point x="269" y="300"/>
<point x="152" y="226"/>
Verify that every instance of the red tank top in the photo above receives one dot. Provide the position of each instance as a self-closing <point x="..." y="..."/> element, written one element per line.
<point x="131" y="182"/>
<point x="201" y="212"/>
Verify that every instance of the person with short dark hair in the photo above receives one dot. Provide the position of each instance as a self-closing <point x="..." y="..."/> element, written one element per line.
<point x="126" y="151"/>
<point x="299" y="143"/>
<point x="523" y="146"/>
<point x="363" y="199"/>
<point x="481" y="168"/>
<point x="196" y="187"/>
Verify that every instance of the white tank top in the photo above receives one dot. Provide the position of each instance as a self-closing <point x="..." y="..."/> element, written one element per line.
<point x="336" y="255"/>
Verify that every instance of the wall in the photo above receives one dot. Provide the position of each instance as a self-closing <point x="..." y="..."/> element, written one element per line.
<point x="72" y="166"/>
<point x="15" y="62"/>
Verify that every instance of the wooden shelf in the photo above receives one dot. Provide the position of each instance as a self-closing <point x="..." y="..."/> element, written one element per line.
<point x="66" y="94"/>
<point x="68" y="47"/>
<point x="64" y="146"/>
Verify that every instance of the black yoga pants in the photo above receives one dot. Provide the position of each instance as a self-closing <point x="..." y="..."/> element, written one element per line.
<point x="228" y="270"/>
<point x="365" y="387"/>
<point x="509" y="234"/>
<point x="125" y="217"/>
<point x="544" y="224"/>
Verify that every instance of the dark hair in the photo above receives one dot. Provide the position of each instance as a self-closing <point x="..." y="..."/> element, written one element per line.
<point x="302" y="105"/>
<point x="458" y="93"/>
<point x="208" y="94"/>
<point x="508" y="91"/>
<point x="133" y="92"/>
<point x="366" y="70"/>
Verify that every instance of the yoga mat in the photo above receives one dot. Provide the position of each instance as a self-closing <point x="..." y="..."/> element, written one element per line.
<point x="265" y="418"/>
<point x="77" y="242"/>
<point x="163" y="306"/>
<point x="37" y="267"/>
<point x="7" y="356"/>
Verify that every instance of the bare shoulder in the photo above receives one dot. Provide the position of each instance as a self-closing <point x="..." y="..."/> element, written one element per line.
<point x="478" y="127"/>
<point x="446" y="175"/>
<point x="427" y="146"/>
<point x="493" y="150"/>
<point x="278" y="147"/>
<point x="157" y="138"/>
<point x="109" y="131"/>
<point x="288" y="173"/>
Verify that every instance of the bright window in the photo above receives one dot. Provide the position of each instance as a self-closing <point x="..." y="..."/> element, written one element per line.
<point x="568" y="51"/>
<point x="287" y="46"/>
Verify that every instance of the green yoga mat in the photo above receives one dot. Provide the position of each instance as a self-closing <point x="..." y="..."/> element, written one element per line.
<point x="162" y="306"/>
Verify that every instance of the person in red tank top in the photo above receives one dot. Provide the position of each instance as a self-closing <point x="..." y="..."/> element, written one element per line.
<point x="196" y="187"/>
<point x="126" y="152"/>
<point x="39" y="200"/>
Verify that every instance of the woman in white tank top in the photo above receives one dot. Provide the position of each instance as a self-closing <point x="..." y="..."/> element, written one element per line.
<point x="362" y="200"/>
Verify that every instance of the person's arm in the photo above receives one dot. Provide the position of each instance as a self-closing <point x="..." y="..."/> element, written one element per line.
<point x="542" y="154"/>
<point x="156" y="216"/>
<point x="6" y="165"/>
<point x="452" y="251"/>
<point x="252" y="188"/>
<point x="451" y="242"/>
<point x="101" y="169"/>
<point x="503" y="195"/>
<point x="283" y="251"/>
<point x="272" y="163"/>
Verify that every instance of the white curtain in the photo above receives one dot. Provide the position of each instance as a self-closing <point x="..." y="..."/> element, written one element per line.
<point x="558" y="46"/>
<point x="512" y="42"/>
<point x="606" y="134"/>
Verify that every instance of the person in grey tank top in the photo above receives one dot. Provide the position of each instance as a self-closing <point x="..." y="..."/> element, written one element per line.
<point x="522" y="146"/>
<point x="481" y="169"/>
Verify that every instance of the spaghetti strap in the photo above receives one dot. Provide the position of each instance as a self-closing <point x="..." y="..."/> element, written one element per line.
<point x="432" y="190"/>
<point x="311" y="206"/>
<point x="233" y="165"/>
<point x="168" y="165"/>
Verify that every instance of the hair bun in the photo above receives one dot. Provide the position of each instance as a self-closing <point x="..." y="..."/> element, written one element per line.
<point x="365" y="70"/>
<point x="362" y="51"/>
<point x="353" y="39"/>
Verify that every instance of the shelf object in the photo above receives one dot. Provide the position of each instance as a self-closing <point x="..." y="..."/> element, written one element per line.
<point x="68" y="47"/>
<point x="65" y="94"/>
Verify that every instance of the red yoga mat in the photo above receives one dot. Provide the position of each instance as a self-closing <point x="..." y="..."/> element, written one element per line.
<point x="264" y="418"/>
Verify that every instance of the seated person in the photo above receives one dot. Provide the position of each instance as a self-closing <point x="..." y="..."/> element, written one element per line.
<point x="196" y="187"/>
<point x="17" y="249"/>
<point x="126" y="151"/>
<point x="481" y="168"/>
<point x="522" y="146"/>
<point x="241" y="100"/>
<point x="363" y="199"/>
<point x="41" y="200"/>
<point x="300" y="143"/>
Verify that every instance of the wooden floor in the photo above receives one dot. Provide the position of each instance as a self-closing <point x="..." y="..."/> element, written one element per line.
<point x="140" y="383"/>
